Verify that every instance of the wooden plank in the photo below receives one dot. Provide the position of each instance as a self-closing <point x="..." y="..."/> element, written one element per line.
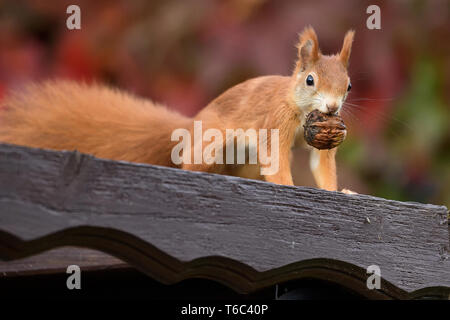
<point x="190" y="215"/>
<point x="57" y="260"/>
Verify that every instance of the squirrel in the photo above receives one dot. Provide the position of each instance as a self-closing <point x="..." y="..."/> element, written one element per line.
<point x="109" y="123"/>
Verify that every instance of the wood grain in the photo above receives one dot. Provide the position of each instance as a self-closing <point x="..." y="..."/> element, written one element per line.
<point x="190" y="215"/>
<point x="57" y="260"/>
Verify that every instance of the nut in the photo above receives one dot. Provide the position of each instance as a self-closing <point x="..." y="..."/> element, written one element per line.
<point x="324" y="131"/>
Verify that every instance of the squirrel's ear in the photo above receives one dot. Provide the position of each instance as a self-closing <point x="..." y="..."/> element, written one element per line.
<point x="344" y="56"/>
<point x="308" y="48"/>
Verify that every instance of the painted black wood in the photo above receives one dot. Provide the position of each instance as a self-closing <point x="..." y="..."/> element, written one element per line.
<point x="174" y="224"/>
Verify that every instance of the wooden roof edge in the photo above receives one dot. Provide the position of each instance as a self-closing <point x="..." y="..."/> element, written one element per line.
<point x="70" y="199"/>
<point x="148" y="259"/>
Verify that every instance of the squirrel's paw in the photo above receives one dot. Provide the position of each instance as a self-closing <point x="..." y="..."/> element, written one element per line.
<point x="346" y="191"/>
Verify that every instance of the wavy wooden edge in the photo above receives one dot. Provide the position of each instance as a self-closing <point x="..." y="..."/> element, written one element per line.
<point x="236" y="275"/>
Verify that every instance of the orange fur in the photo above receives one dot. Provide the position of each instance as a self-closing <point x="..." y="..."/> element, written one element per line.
<point x="111" y="124"/>
<point x="324" y="170"/>
<point x="344" y="55"/>
<point x="308" y="49"/>
<point x="107" y="123"/>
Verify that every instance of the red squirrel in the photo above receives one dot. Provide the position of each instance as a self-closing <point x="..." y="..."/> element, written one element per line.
<point x="112" y="124"/>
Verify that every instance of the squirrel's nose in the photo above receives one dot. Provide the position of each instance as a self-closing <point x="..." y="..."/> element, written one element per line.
<point x="332" y="108"/>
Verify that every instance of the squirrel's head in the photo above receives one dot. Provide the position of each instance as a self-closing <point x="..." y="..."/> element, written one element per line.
<point x="321" y="81"/>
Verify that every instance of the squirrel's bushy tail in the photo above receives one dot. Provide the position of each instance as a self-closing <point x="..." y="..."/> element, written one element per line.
<point x="93" y="119"/>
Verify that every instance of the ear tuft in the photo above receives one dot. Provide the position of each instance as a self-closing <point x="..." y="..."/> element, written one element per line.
<point x="344" y="55"/>
<point x="308" y="48"/>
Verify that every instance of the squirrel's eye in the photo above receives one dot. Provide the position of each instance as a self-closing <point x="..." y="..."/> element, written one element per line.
<point x="309" y="80"/>
<point x="349" y="87"/>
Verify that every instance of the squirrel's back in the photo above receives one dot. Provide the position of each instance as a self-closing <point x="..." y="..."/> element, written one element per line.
<point x="94" y="119"/>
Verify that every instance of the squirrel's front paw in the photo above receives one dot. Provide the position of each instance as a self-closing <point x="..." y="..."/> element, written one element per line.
<point x="346" y="191"/>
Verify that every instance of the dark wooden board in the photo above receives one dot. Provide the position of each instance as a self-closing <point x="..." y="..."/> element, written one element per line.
<point x="57" y="260"/>
<point x="191" y="215"/>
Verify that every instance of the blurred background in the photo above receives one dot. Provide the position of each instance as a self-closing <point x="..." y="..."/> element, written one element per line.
<point x="186" y="52"/>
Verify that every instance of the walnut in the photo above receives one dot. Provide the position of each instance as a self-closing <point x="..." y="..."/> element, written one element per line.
<point x="324" y="131"/>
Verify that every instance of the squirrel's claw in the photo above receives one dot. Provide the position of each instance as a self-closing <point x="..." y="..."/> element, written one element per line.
<point x="346" y="191"/>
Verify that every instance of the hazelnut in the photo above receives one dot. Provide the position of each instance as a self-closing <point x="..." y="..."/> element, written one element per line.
<point x="324" y="131"/>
